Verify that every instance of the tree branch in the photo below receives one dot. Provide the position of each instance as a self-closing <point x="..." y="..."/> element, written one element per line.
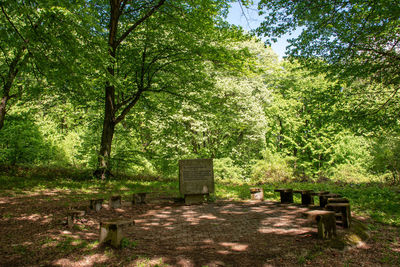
<point x="12" y="24"/>
<point x="128" y="108"/>
<point x="140" y="21"/>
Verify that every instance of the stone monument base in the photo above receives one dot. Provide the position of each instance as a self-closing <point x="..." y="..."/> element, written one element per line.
<point x="194" y="199"/>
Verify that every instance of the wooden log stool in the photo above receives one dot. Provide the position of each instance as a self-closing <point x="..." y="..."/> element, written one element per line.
<point x="326" y="222"/>
<point x="72" y="215"/>
<point x="286" y="195"/>
<point x="338" y="200"/>
<point x="96" y="204"/>
<point x="323" y="199"/>
<point x="342" y="210"/>
<point x="257" y="193"/>
<point x="306" y="196"/>
<point x="115" y="202"/>
<point x="111" y="232"/>
<point x="139" y="198"/>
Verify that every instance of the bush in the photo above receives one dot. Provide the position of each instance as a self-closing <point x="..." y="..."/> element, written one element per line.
<point x="22" y="142"/>
<point x="350" y="173"/>
<point x="226" y="171"/>
<point x="273" y="168"/>
<point x="386" y="157"/>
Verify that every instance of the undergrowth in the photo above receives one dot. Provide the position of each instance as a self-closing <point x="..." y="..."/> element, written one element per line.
<point x="376" y="200"/>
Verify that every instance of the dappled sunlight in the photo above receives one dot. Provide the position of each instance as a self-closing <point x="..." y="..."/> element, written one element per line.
<point x="363" y="245"/>
<point x="210" y="216"/>
<point x="224" y="252"/>
<point x="120" y="210"/>
<point x="212" y="234"/>
<point x="147" y="262"/>
<point x="86" y="261"/>
<point x="184" y="262"/>
<point x="288" y="231"/>
<point x="235" y="246"/>
<point x="43" y="219"/>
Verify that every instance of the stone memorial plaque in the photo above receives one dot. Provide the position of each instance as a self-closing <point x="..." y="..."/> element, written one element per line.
<point x="196" y="176"/>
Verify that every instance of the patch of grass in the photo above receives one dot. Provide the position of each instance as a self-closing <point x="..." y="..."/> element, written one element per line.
<point x="8" y="215"/>
<point x="46" y="240"/>
<point x="20" y="249"/>
<point x="146" y="262"/>
<point x="79" y="227"/>
<point x="109" y="252"/>
<point x="92" y="245"/>
<point x="69" y="244"/>
<point x="301" y="260"/>
<point x="126" y="243"/>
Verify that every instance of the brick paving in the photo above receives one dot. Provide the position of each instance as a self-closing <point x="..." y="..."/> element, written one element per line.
<point x="224" y="233"/>
<point x="250" y="233"/>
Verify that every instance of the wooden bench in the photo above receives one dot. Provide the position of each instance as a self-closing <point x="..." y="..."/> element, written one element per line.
<point x="257" y="193"/>
<point x="96" y="204"/>
<point x="72" y="215"/>
<point x="139" y="198"/>
<point x="111" y="231"/>
<point x="115" y="202"/>
<point x="306" y="196"/>
<point x="326" y="222"/>
<point x="286" y="195"/>
<point x="342" y="211"/>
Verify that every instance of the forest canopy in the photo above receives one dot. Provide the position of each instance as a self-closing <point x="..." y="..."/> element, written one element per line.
<point x="134" y="86"/>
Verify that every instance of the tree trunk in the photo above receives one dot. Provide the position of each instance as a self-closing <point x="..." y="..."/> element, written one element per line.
<point x="3" y="105"/>
<point x="103" y="168"/>
<point x="12" y="73"/>
<point x="107" y="135"/>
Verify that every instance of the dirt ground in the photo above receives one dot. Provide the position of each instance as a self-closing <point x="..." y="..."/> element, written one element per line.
<point x="223" y="233"/>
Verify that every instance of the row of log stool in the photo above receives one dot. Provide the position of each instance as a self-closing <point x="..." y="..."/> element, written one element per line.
<point x="115" y="201"/>
<point x="336" y="209"/>
<point x="110" y="231"/>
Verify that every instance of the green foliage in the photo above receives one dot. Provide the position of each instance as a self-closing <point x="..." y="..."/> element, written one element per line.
<point x="386" y="156"/>
<point x="126" y="243"/>
<point x="356" y="39"/>
<point x="273" y="168"/>
<point x="350" y="173"/>
<point x="185" y="84"/>
<point x="22" y="142"/>
<point x="225" y="171"/>
<point x="351" y="149"/>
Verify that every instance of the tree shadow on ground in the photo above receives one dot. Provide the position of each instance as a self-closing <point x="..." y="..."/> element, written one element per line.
<point x="224" y="233"/>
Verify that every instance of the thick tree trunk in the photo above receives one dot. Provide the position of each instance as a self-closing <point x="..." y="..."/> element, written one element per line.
<point x="103" y="168"/>
<point x="3" y="105"/>
<point x="107" y="135"/>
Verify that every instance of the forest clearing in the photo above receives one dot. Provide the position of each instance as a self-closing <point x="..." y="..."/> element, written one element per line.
<point x="161" y="133"/>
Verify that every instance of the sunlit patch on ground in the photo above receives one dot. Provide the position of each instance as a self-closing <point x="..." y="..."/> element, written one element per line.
<point x="86" y="261"/>
<point x="248" y="233"/>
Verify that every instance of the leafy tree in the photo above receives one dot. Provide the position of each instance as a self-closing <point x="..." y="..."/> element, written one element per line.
<point x="301" y="117"/>
<point x="225" y="119"/>
<point x="39" y="41"/>
<point x="353" y="39"/>
<point x="153" y="47"/>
